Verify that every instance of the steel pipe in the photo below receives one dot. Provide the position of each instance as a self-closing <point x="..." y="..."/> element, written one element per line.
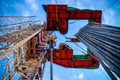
<point x="104" y="41"/>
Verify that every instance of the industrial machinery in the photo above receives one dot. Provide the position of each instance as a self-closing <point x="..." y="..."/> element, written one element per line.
<point x="58" y="16"/>
<point x="64" y="57"/>
<point x="33" y="46"/>
<point x="57" y="20"/>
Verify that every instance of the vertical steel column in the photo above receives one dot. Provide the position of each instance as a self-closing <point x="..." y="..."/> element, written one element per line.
<point x="51" y="58"/>
<point x="51" y="64"/>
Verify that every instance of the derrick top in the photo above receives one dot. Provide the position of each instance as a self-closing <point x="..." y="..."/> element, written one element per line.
<point x="58" y="16"/>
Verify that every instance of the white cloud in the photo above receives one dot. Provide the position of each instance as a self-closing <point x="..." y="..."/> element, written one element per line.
<point x="26" y="13"/>
<point x="53" y="1"/>
<point x="32" y="4"/>
<point x="108" y="17"/>
<point x="86" y="1"/>
<point x="81" y="76"/>
<point x="56" y="78"/>
<point x="80" y="5"/>
<point x="73" y="3"/>
<point x="74" y="76"/>
<point x="91" y="7"/>
<point x="69" y="2"/>
<point x="30" y="9"/>
<point x="23" y="10"/>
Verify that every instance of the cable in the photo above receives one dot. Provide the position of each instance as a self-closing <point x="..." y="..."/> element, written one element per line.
<point x="106" y="9"/>
<point x="20" y="23"/>
<point x="55" y="34"/>
<point x="15" y="23"/>
<point x="73" y="22"/>
<point x="102" y="10"/>
<point x="56" y="1"/>
<point x="80" y="50"/>
<point x="85" y="75"/>
<point x="111" y="5"/>
<point x="84" y="51"/>
<point x="103" y="73"/>
<point x="17" y="16"/>
<point x="80" y="47"/>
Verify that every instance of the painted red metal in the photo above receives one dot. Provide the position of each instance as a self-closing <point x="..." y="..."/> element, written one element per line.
<point x="63" y="54"/>
<point x="58" y="16"/>
<point x="72" y="40"/>
<point x="42" y="41"/>
<point x="63" y="26"/>
<point x="83" y="63"/>
<point x="75" y="40"/>
<point x="57" y="20"/>
<point x="64" y="57"/>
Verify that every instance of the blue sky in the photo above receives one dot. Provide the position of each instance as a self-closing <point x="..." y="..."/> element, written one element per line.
<point x="111" y="16"/>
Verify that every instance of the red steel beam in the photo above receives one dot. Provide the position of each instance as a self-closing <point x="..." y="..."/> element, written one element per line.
<point x="58" y="16"/>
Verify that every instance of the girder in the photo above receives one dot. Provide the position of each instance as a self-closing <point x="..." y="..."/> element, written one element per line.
<point x="16" y="55"/>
